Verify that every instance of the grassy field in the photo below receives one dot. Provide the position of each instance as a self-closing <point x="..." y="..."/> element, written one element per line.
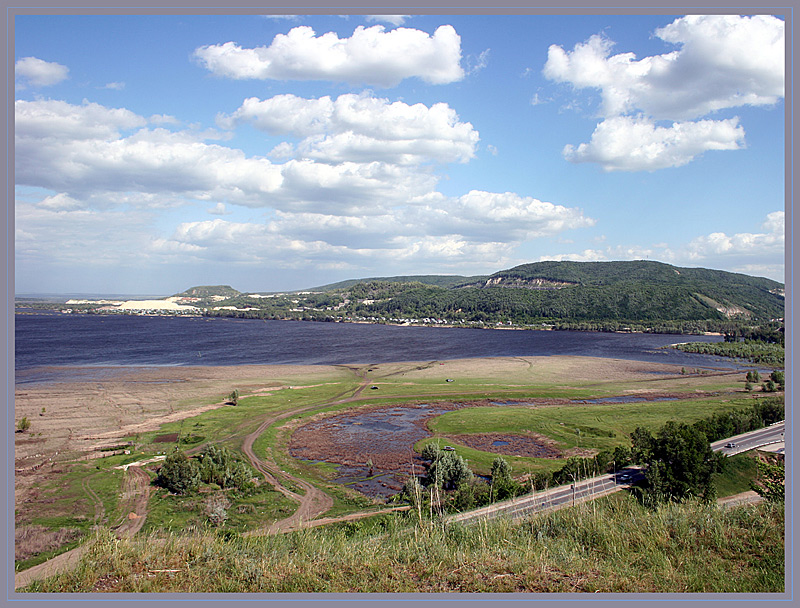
<point x="613" y="545"/>
<point x="68" y="498"/>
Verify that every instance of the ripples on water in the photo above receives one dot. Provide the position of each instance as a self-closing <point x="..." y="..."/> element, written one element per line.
<point x="94" y="340"/>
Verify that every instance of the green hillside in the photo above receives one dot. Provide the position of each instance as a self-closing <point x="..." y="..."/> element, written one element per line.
<point x="438" y="280"/>
<point x="633" y="292"/>
<point x="207" y="291"/>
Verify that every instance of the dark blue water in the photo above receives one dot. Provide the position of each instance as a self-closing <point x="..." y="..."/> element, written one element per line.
<point x="45" y="340"/>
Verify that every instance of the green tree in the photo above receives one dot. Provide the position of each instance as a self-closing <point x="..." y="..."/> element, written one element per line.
<point x="431" y="451"/>
<point x="778" y="378"/>
<point x="681" y="463"/>
<point x="178" y="474"/>
<point x="448" y="470"/>
<point x="642" y="445"/>
<point x="770" y="482"/>
<point x="501" y="470"/>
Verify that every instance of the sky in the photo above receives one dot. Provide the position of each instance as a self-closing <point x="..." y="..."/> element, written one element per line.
<point x="271" y="153"/>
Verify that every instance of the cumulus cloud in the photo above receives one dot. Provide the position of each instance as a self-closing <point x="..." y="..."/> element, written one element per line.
<point x="756" y="253"/>
<point x="370" y="56"/>
<point x="219" y="209"/>
<point x="719" y="244"/>
<point x="487" y="216"/>
<point x="625" y="143"/>
<point x="39" y="73"/>
<point x="722" y="62"/>
<point x="96" y="161"/>
<point x="361" y="128"/>
<point x="393" y="19"/>
<point x="81" y="149"/>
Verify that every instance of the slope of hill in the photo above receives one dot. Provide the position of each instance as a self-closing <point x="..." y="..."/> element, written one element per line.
<point x="208" y="291"/>
<point x="438" y="280"/>
<point x="640" y="291"/>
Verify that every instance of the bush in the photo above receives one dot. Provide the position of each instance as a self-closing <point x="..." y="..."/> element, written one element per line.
<point x="178" y="474"/>
<point x="23" y="425"/>
<point x="222" y="467"/>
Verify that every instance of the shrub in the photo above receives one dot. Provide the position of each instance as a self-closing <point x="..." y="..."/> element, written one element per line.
<point x="178" y="474"/>
<point x="23" y="425"/>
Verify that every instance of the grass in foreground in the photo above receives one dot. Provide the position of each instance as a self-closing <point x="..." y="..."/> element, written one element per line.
<point x="611" y="545"/>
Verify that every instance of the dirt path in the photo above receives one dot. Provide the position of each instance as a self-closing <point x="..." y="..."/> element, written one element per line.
<point x="135" y="494"/>
<point x="314" y="502"/>
<point x="99" y="508"/>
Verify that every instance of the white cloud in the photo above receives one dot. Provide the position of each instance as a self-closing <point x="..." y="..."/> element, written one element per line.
<point x="723" y="62"/>
<point x="219" y="209"/>
<point x="282" y="151"/>
<point x="58" y="120"/>
<point x="393" y="19"/>
<point x="98" y="161"/>
<point x="636" y="144"/>
<point x="80" y="150"/>
<point x="371" y="56"/>
<point x="361" y="128"/>
<point x="755" y="253"/>
<point x="489" y="216"/>
<point x="60" y="202"/>
<point x="39" y="73"/>
<point x="476" y="64"/>
<point x="720" y="245"/>
<point x="115" y="86"/>
<point x="62" y="232"/>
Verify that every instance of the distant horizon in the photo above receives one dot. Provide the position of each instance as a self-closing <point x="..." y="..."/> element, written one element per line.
<point x="143" y="296"/>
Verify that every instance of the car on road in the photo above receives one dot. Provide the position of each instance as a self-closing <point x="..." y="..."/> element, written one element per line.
<point x="730" y="445"/>
<point x="449" y="448"/>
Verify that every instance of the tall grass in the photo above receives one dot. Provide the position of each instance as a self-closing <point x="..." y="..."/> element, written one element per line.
<point x="612" y="545"/>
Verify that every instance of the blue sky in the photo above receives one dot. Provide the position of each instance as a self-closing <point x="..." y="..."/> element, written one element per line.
<point x="154" y="153"/>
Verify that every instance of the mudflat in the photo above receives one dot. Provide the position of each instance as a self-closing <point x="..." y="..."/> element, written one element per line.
<point x="71" y="420"/>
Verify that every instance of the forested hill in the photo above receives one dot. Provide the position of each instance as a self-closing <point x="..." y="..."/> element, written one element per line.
<point x="578" y="292"/>
<point x="641" y="295"/>
<point x="438" y="280"/>
<point x="610" y="273"/>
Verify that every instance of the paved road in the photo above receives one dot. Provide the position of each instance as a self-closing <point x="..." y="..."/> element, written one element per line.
<point x="589" y="489"/>
<point x="555" y="498"/>
<point x="751" y="440"/>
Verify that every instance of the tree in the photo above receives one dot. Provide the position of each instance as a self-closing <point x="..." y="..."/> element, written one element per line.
<point x="501" y="470"/>
<point x="233" y="398"/>
<point x="221" y="467"/>
<point x="778" y="378"/>
<point x="503" y="485"/>
<point x="448" y="470"/>
<point x="23" y="425"/>
<point x="681" y="463"/>
<point x="770" y="483"/>
<point x="642" y="445"/>
<point x="430" y="451"/>
<point x="178" y="474"/>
